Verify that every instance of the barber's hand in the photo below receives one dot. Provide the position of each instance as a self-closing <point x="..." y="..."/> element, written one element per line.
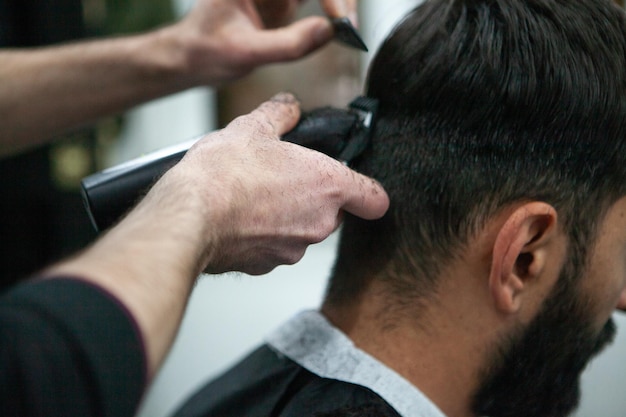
<point x="222" y="40"/>
<point x="272" y="198"/>
<point x="240" y="200"/>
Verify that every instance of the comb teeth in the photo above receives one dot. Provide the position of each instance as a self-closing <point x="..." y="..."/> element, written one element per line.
<point x="365" y="103"/>
<point x="366" y="108"/>
<point x="346" y="33"/>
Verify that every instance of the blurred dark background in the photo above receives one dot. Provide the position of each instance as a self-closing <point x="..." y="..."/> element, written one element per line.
<point x="41" y="213"/>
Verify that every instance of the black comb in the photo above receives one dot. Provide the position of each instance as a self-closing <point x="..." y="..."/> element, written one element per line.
<point x="346" y="33"/>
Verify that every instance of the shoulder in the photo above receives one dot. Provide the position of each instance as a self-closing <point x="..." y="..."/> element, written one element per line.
<point x="322" y="397"/>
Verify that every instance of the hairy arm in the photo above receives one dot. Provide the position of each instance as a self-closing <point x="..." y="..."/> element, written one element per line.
<point x="240" y="200"/>
<point x="47" y="91"/>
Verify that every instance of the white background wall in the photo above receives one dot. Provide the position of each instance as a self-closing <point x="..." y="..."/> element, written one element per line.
<point x="229" y="315"/>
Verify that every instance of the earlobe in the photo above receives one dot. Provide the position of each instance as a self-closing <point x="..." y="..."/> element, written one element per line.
<point x="521" y="252"/>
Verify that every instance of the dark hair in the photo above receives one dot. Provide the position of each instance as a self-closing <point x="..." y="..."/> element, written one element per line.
<point x="484" y="103"/>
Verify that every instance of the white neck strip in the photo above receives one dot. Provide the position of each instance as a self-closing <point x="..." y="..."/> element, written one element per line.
<point x="312" y="342"/>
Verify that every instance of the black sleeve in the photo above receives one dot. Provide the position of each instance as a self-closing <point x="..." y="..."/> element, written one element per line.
<point x="68" y="348"/>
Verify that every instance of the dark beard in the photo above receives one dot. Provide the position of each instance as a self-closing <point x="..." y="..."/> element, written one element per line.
<point x="537" y="373"/>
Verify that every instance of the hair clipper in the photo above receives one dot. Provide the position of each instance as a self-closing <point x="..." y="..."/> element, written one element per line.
<point x="342" y="134"/>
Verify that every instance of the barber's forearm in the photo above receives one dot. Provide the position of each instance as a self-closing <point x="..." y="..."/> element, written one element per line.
<point x="149" y="262"/>
<point x="240" y="200"/>
<point x="45" y="92"/>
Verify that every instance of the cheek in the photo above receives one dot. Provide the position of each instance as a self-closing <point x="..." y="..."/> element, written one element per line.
<point x="605" y="289"/>
<point x="621" y="303"/>
<point x="619" y="271"/>
<point x="605" y="279"/>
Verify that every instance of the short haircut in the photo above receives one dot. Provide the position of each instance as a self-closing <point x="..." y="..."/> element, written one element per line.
<point x="485" y="103"/>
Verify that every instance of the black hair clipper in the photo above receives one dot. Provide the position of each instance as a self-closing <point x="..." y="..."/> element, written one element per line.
<point x="340" y="133"/>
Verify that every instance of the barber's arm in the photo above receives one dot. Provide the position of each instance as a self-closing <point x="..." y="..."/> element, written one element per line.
<point x="46" y="91"/>
<point x="85" y="336"/>
<point x="240" y="200"/>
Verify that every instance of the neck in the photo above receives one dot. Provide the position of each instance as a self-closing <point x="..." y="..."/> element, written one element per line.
<point x="426" y="347"/>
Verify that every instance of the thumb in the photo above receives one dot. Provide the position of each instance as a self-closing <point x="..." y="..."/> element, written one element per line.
<point x="274" y="117"/>
<point x="364" y="196"/>
<point x="292" y="42"/>
<point x="341" y="8"/>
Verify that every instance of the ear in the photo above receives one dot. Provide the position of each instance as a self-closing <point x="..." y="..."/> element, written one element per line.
<point x="524" y="247"/>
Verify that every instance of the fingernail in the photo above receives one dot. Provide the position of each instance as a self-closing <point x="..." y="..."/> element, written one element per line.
<point x="342" y="8"/>
<point x="286" y="98"/>
<point x="349" y="12"/>
<point x="354" y="18"/>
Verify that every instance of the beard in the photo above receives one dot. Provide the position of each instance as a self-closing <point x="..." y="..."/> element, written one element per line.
<point x="536" y="372"/>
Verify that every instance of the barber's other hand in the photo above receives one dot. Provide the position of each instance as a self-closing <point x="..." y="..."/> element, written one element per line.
<point x="221" y="40"/>
<point x="266" y="200"/>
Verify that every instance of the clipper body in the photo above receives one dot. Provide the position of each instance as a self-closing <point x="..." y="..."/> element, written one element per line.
<point x="339" y="133"/>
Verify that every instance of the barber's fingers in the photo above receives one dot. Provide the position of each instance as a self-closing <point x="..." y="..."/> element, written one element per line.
<point x="290" y="42"/>
<point x="276" y="13"/>
<point x="341" y="8"/>
<point x="364" y="197"/>
<point x="355" y="193"/>
<point x="271" y="119"/>
<point x="360" y="195"/>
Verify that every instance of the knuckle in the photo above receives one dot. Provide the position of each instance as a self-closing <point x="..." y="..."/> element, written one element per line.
<point x="293" y="256"/>
<point x="325" y="227"/>
<point x="295" y="48"/>
<point x="256" y="123"/>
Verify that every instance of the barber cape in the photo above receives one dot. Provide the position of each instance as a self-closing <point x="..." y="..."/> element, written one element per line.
<point x="309" y="368"/>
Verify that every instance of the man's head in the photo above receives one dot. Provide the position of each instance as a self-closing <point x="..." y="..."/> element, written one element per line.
<point x="502" y="123"/>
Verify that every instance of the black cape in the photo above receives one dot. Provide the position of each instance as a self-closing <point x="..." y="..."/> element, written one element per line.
<point x="268" y="384"/>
